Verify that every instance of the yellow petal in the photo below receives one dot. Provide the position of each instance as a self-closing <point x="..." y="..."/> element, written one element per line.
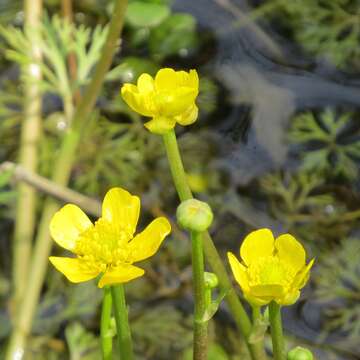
<point x="67" y="224"/>
<point x="166" y="79"/>
<point x="121" y="210"/>
<point x="120" y="274"/>
<point x="259" y="243"/>
<point x="253" y="300"/>
<point x="73" y="269"/>
<point x="176" y="102"/>
<point x="160" y="125"/>
<point x="194" y="80"/>
<point x="239" y="272"/>
<point x="137" y="102"/>
<point x="290" y="251"/>
<point x="267" y="291"/>
<point x="303" y="276"/>
<point x="146" y="244"/>
<point x="289" y="298"/>
<point x="145" y="84"/>
<point x="188" y="117"/>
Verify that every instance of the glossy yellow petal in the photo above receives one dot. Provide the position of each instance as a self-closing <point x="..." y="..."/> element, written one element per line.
<point x="137" y="102"/>
<point x="67" y="224"/>
<point x="303" y="276"/>
<point x="259" y="243"/>
<point x="289" y="299"/>
<point x="145" y="84"/>
<point x="160" y="125"/>
<point x="253" y="300"/>
<point x="291" y="251"/>
<point x="176" y="102"/>
<point x="267" y="291"/>
<point x="194" y="80"/>
<point x="72" y="268"/>
<point x="166" y="79"/>
<point x="239" y="272"/>
<point x="146" y="244"/>
<point x="188" y="117"/>
<point x="120" y="274"/>
<point x="121" y="210"/>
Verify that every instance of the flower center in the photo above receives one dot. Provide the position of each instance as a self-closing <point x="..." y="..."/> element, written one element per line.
<point x="104" y="245"/>
<point x="270" y="271"/>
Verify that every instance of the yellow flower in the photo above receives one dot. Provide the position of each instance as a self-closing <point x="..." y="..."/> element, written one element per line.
<point x="109" y="246"/>
<point x="272" y="269"/>
<point x="168" y="99"/>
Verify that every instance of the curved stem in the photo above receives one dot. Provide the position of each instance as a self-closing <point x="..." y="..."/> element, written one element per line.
<point x="276" y="331"/>
<point x="61" y="175"/>
<point x="106" y="338"/>
<point x="122" y="322"/>
<point x="241" y="318"/>
<point x="200" y="326"/>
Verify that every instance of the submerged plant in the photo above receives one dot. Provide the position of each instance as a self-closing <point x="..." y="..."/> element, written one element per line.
<point x="336" y="152"/>
<point x="338" y="287"/>
<point x="327" y="28"/>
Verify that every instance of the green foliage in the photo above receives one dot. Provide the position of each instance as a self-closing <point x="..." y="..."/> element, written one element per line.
<point x="82" y="344"/>
<point x="59" y="39"/>
<point x="327" y="28"/>
<point x="336" y="153"/>
<point x="176" y="35"/>
<point x="146" y="14"/>
<point x="6" y="194"/>
<point x="161" y="332"/>
<point x="294" y="194"/>
<point x="338" y="287"/>
<point x="131" y="68"/>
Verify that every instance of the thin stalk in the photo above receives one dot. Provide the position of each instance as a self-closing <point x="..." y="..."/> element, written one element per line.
<point x="28" y="153"/>
<point x="61" y="175"/>
<point x="241" y="318"/>
<point x="200" y="326"/>
<point x="106" y="338"/>
<point x="122" y="322"/>
<point x="276" y="331"/>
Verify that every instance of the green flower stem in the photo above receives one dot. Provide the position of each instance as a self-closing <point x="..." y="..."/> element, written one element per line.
<point x="105" y="334"/>
<point x="61" y="175"/>
<point x="28" y="154"/>
<point x="200" y="326"/>
<point x="241" y="318"/>
<point x="276" y="331"/>
<point x="122" y="322"/>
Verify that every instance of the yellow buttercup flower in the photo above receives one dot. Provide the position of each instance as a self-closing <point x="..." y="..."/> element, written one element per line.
<point x="109" y="246"/>
<point x="272" y="270"/>
<point x="168" y="99"/>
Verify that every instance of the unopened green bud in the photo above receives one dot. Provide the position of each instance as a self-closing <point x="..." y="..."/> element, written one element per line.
<point x="300" y="353"/>
<point x="194" y="215"/>
<point x="211" y="280"/>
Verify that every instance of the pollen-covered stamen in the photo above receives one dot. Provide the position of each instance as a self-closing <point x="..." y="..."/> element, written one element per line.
<point x="104" y="245"/>
<point x="270" y="271"/>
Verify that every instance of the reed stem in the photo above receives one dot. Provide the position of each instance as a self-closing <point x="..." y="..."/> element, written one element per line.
<point x="28" y="153"/>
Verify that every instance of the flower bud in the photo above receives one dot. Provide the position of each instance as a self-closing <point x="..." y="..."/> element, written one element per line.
<point x="194" y="215"/>
<point x="300" y="353"/>
<point x="211" y="280"/>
